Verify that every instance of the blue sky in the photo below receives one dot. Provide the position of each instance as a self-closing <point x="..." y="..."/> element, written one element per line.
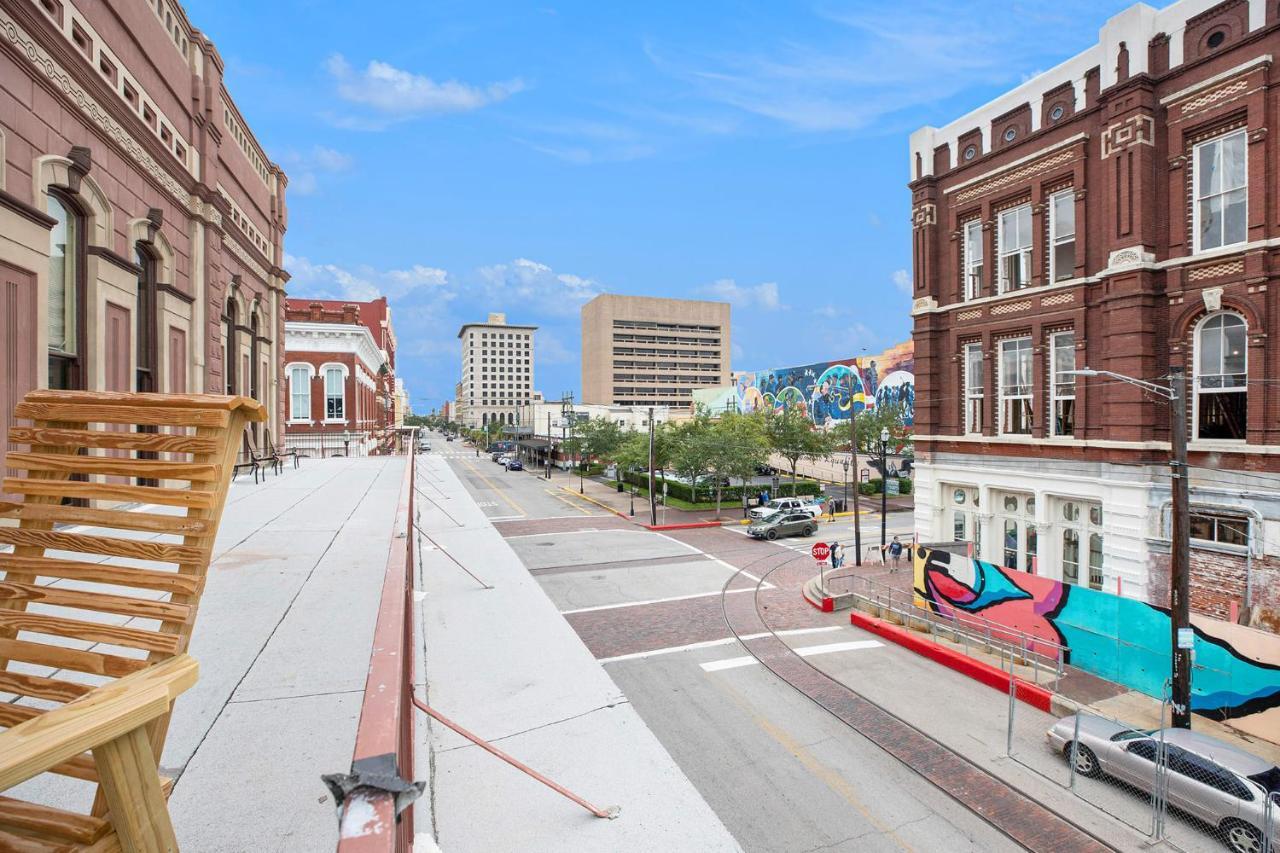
<point x="465" y="158"/>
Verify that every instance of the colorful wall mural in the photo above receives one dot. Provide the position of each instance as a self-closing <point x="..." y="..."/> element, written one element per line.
<point x="1236" y="671"/>
<point x="827" y="391"/>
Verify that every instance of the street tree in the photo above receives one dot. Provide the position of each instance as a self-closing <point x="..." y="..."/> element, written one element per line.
<point x="739" y="446"/>
<point x="791" y="435"/>
<point x="598" y="439"/>
<point x="692" y="449"/>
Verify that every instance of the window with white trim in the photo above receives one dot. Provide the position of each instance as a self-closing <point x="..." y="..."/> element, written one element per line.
<point x="299" y="393"/>
<point x="1015" y="248"/>
<point x="1221" y="380"/>
<point x="1082" y="539"/>
<point x="1218" y="528"/>
<point x="973" y="388"/>
<point x="1062" y="235"/>
<point x="334" y="395"/>
<point x="1015" y="387"/>
<point x="1221" y="191"/>
<point x="973" y="259"/>
<point x="1062" y="385"/>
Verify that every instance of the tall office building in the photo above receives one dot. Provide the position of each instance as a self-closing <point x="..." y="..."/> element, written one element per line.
<point x="497" y="372"/>
<point x="647" y="351"/>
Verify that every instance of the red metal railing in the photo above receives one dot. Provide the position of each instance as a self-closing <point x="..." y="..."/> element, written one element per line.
<point x="386" y="731"/>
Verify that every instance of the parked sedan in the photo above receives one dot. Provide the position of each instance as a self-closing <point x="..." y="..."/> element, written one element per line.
<point x="515" y="465"/>
<point x="783" y="524"/>
<point x="1212" y="781"/>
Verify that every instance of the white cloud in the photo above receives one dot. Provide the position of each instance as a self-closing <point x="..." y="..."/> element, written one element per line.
<point x="828" y="311"/>
<point x="304" y="168"/>
<point x="902" y="281"/>
<point x="331" y="281"/>
<point x="763" y="295"/>
<point x="537" y="286"/>
<point x="551" y="350"/>
<point x="396" y="93"/>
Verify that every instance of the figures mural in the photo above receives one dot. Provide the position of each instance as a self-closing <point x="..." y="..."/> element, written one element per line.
<point x="1236" y="673"/>
<point x="827" y="391"/>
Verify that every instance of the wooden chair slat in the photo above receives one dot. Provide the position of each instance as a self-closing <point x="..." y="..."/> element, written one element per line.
<point x="76" y="629"/>
<point x="119" y="519"/>
<point x="249" y="407"/>
<point x="158" y="442"/>
<point x="51" y="567"/>
<point x="108" y="492"/>
<point x="121" y="605"/>
<point x="157" y="469"/>
<point x="14" y="843"/>
<point x="11" y="714"/>
<point x="106" y="545"/>
<point x="93" y="414"/>
<point x="61" y="657"/>
<point x="29" y="818"/>
<point x="40" y="687"/>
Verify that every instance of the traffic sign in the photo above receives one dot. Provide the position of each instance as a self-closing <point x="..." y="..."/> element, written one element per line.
<point x="820" y="551"/>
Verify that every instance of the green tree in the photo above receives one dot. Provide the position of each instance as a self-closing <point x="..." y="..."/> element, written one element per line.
<point x="869" y="425"/>
<point x="692" y="449"/>
<point x="739" y="446"/>
<point x="595" y="438"/>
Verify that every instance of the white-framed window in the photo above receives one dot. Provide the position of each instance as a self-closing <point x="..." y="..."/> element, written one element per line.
<point x="1082" y="539"/>
<point x="1214" y="528"/>
<point x="300" y="392"/>
<point x="1221" y="191"/>
<point x="1062" y="384"/>
<point x="1062" y="235"/>
<point x="973" y="388"/>
<point x="334" y="394"/>
<point x="1015" y="387"/>
<point x="1221" y="377"/>
<point x="962" y="502"/>
<point x="1016" y="514"/>
<point x="973" y="259"/>
<point x="1015" y="248"/>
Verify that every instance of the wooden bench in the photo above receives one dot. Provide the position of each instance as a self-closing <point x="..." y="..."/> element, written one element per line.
<point x="110" y="734"/>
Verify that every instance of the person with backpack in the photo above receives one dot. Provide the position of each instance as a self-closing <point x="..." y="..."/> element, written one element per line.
<point x="895" y="554"/>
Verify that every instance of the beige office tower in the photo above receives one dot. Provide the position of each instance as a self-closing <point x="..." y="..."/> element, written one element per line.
<point x="648" y="351"/>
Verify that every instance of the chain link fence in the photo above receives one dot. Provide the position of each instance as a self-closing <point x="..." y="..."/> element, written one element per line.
<point x="1180" y="787"/>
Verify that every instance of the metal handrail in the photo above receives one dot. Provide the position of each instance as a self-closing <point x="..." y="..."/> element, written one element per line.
<point x="1010" y="642"/>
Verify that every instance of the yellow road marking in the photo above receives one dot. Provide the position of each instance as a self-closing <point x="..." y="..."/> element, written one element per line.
<point x="574" y="494"/>
<point x="502" y="494"/>
<point x="831" y="778"/>
<point x="568" y="502"/>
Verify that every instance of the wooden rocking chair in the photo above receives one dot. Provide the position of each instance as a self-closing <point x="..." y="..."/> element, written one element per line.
<point x="111" y="735"/>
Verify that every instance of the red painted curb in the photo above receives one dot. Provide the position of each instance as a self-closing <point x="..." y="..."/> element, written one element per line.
<point x="1032" y="694"/>
<point x="826" y="605"/>
<point x="693" y="525"/>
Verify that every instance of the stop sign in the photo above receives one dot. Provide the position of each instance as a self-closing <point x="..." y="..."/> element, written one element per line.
<point x="820" y="551"/>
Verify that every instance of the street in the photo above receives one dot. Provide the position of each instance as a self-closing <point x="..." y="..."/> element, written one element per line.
<point x="780" y="766"/>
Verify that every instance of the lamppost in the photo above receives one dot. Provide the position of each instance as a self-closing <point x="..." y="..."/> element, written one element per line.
<point x="884" y="488"/>
<point x="845" y="463"/>
<point x="633" y="501"/>
<point x="1183" y="640"/>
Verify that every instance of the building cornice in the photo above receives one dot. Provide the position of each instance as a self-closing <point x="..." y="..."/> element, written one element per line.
<point x="1257" y="62"/>
<point x="311" y="337"/>
<point x="1021" y="161"/>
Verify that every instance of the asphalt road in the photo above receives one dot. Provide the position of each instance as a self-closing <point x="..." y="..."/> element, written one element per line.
<point x="780" y="772"/>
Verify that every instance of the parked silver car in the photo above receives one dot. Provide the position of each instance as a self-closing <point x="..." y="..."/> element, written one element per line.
<point x="1212" y="781"/>
<point x="795" y="523"/>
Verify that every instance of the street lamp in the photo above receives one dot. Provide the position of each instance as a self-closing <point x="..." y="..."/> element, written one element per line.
<point x="845" y="463"/>
<point x="633" y="501"/>
<point x="884" y="488"/>
<point x="1181" y="636"/>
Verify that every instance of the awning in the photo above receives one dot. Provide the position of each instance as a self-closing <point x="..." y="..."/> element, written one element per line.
<point x="534" y="443"/>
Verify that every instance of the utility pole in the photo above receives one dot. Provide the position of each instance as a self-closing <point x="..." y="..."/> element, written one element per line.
<point x="653" y="506"/>
<point x="857" y="485"/>
<point x="884" y="489"/>
<point x="548" y="445"/>
<point x="1180" y="556"/>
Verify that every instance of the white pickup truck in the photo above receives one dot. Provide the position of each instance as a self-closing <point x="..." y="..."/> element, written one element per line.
<point x="813" y="508"/>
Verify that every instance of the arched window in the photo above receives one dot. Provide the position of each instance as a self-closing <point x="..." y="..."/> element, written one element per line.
<point x="66" y="293"/>
<point x="229" y="359"/>
<point x="335" y="399"/>
<point x="145" y="318"/>
<point x="1221" y="389"/>
<point x="300" y="393"/>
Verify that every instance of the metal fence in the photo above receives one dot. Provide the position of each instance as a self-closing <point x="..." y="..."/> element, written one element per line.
<point x="326" y="444"/>
<point x="1178" y="787"/>
<point x="1023" y="655"/>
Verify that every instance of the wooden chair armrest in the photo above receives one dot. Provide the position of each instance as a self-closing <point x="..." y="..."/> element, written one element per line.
<point x="112" y="710"/>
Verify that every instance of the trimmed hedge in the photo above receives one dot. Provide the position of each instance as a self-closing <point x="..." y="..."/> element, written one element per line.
<point x="873" y="486"/>
<point x="728" y="494"/>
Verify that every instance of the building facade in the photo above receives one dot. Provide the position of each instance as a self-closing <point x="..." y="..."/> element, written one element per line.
<point x="141" y="223"/>
<point x="1113" y="212"/>
<point x="340" y="375"/>
<point x="545" y="425"/>
<point x="497" y="372"/>
<point x="648" y="351"/>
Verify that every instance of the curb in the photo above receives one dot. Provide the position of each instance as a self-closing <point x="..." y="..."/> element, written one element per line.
<point x="692" y="525"/>
<point x="826" y="605"/>
<point x="1034" y="695"/>
<point x="581" y="496"/>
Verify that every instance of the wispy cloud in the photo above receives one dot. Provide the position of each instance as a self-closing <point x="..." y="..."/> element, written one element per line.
<point x="763" y="295"/>
<point x="332" y="281"/>
<point x="394" y="94"/>
<point x="902" y="281"/>
<point x="536" y="286"/>
<point x="306" y="168"/>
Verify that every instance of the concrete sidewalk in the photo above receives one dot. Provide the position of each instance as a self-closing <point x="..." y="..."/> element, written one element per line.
<point x="504" y="664"/>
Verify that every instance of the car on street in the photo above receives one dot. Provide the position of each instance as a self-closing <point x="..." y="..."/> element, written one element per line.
<point x="786" y="504"/>
<point x="1212" y="781"/>
<point x="784" y="523"/>
<point x="503" y="458"/>
<point x="515" y="465"/>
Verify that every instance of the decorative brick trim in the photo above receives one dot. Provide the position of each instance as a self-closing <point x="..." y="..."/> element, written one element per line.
<point x="1135" y="130"/>
<point x="1216" y="270"/>
<point x="1016" y="176"/>
<point x="1212" y="97"/>
<point x="1057" y="299"/>
<point x="969" y="315"/>
<point x="1010" y="308"/>
<point x="925" y="214"/>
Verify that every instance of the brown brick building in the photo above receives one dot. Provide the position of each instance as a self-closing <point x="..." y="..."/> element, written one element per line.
<point x="141" y="223"/>
<point x="1116" y="212"/>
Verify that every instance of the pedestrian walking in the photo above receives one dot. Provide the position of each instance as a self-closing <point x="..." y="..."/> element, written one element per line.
<point x="831" y="510"/>
<point x="837" y="555"/>
<point x="895" y="553"/>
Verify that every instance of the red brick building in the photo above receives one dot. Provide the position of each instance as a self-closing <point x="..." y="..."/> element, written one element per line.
<point x="141" y="223"/>
<point x="1115" y="212"/>
<point x="339" y="375"/>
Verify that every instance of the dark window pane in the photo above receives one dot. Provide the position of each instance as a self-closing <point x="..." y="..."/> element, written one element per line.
<point x="1223" y="415"/>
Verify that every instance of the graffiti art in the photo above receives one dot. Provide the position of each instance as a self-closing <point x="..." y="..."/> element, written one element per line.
<point x="826" y="391"/>
<point x="1121" y="639"/>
